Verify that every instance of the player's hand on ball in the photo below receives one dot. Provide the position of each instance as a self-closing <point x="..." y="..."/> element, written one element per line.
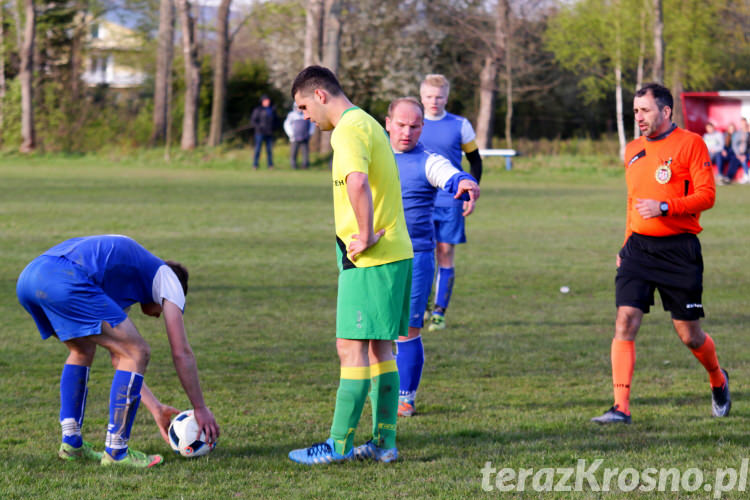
<point x="163" y="416"/>
<point x="207" y="424"/>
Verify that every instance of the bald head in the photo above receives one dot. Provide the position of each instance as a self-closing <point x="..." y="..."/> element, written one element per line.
<point x="404" y="123"/>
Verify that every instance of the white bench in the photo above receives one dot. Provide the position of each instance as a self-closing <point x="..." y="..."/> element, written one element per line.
<point x="507" y="153"/>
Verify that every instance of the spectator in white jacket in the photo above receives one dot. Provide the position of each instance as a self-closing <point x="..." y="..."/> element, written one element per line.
<point x="299" y="131"/>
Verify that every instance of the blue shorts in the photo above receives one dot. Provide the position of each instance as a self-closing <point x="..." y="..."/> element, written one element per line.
<point x="63" y="301"/>
<point x="449" y="225"/>
<point x="422" y="275"/>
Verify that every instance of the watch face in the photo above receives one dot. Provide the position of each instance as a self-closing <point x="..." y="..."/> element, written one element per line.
<point x="663" y="206"/>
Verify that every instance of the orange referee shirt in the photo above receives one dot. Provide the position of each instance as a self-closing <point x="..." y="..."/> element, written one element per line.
<point x="675" y="168"/>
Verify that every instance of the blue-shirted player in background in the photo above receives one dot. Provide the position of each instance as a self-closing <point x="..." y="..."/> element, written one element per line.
<point x="423" y="174"/>
<point x="79" y="291"/>
<point x="448" y="135"/>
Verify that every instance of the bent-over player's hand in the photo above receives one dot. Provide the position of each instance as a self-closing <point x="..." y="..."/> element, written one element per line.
<point x="472" y="188"/>
<point x="360" y="244"/>
<point x="618" y="260"/>
<point x="647" y="208"/>
<point x="162" y="416"/>
<point x="207" y="424"/>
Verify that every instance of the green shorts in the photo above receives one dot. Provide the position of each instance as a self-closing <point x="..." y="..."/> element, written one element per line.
<point x="373" y="302"/>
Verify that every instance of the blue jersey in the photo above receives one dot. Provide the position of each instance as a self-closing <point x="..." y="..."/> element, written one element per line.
<point x="422" y="175"/>
<point x="119" y="265"/>
<point x="447" y="137"/>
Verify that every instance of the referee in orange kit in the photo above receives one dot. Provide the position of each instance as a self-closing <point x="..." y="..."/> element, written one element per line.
<point x="670" y="182"/>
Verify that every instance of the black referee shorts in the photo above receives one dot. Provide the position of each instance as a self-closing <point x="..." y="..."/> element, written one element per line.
<point x="671" y="264"/>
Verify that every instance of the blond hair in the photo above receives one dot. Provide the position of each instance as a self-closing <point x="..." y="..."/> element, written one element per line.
<point x="436" y="80"/>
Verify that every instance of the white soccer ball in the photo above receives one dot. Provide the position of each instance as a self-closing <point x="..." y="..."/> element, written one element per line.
<point x="184" y="439"/>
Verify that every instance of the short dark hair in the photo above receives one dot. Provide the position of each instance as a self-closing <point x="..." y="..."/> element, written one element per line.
<point x="410" y="100"/>
<point x="316" y="77"/>
<point x="662" y="95"/>
<point x="181" y="272"/>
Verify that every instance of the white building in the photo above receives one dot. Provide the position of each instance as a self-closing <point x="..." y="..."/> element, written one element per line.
<point x="109" y="46"/>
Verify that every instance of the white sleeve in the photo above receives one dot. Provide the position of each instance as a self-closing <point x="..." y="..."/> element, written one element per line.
<point x="438" y="170"/>
<point x="166" y="285"/>
<point x="288" y="126"/>
<point x="467" y="132"/>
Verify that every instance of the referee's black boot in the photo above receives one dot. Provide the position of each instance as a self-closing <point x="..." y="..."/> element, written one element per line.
<point x="612" y="416"/>
<point x="721" y="401"/>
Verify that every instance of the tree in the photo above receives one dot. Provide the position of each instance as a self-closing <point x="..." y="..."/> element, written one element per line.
<point x="221" y="63"/>
<point x="658" y="64"/>
<point x="322" y="36"/>
<point x="498" y="54"/>
<point x="330" y="50"/>
<point x="694" y="43"/>
<point x="641" y="60"/>
<point x="26" y="77"/>
<point x="192" y="76"/>
<point x="313" y="32"/>
<point x="2" y="69"/>
<point x="596" y="39"/>
<point x="163" y="73"/>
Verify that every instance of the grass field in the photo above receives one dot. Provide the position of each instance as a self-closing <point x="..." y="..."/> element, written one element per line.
<point x="513" y="381"/>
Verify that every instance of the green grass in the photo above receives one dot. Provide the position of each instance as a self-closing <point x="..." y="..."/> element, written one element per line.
<point x="513" y="381"/>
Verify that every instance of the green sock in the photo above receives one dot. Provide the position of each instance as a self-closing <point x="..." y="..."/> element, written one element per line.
<point x="350" y="398"/>
<point x="384" y="398"/>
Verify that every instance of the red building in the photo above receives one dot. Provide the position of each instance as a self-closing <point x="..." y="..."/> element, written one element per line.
<point x="721" y="108"/>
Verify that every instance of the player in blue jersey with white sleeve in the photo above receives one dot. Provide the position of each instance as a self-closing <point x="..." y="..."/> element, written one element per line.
<point x="423" y="174"/>
<point x="80" y="291"/>
<point x="448" y="135"/>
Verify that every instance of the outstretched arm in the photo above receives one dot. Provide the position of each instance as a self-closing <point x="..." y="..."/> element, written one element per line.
<point x="472" y="189"/>
<point x="187" y="369"/>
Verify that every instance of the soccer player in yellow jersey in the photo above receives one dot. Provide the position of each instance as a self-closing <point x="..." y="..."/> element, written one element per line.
<point x="375" y="262"/>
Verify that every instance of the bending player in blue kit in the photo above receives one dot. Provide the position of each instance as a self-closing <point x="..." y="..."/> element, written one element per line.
<point x="422" y="175"/>
<point x="79" y="291"/>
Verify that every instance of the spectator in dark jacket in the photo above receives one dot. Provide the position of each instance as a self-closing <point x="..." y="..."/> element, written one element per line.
<point x="264" y="121"/>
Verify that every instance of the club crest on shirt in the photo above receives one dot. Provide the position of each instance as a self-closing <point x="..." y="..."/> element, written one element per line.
<point x="664" y="172"/>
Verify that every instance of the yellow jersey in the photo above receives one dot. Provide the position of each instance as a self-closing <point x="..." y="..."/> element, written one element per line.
<point x="360" y="144"/>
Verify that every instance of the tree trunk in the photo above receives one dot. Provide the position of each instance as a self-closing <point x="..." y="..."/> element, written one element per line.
<point x="330" y="52"/>
<point x="676" y="92"/>
<point x="192" y="77"/>
<point x="26" y="78"/>
<point x="313" y="32"/>
<point x="619" y="109"/>
<point x="331" y="35"/>
<point x="76" y="59"/>
<point x="508" y="81"/>
<point x="220" y="73"/>
<point x="163" y="77"/>
<point x="658" y="72"/>
<point x="2" y="72"/>
<point x="313" y="47"/>
<point x="487" y="78"/>
<point x="639" y="67"/>
<point x="16" y="13"/>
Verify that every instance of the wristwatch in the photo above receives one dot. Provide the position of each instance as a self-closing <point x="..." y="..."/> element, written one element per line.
<point x="664" y="207"/>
